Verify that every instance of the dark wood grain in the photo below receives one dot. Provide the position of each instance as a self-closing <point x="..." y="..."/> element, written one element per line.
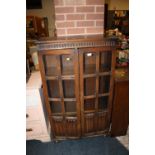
<point x="120" y="113"/>
<point x="77" y="91"/>
<point x="45" y="92"/>
<point x="97" y="79"/>
<point x="113" y="63"/>
<point x="59" y="68"/>
<point x="81" y="91"/>
<point x="78" y="88"/>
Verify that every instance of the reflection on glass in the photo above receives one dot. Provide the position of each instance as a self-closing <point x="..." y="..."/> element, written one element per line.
<point x="89" y="86"/>
<point x="50" y="64"/>
<point x="89" y="104"/>
<point x="105" y="61"/>
<point x="55" y="107"/>
<point x="104" y="82"/>
<point x="89" y="63"/>
<point x="67" y="64"/>
<point x="70" y="106"/>
<point x="53" y="88"/>
<point x="68" y="88"/>
<point x="103" y="103"/>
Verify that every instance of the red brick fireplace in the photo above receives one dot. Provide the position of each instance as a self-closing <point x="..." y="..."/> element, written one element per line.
<point x="79" y="17"/>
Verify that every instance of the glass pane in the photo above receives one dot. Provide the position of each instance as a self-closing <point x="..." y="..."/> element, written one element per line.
<point x="89" y="63"/>
<point x="68" y="88"/>
<point x="105" y="61"/>
<point x="53" y="88"/>
<point x="102" y="103"/>
<point x="104" y="82"/>
<point x="70" y="106"/>
<point x="50" y="64"/>
<point x="89" y="104"/>
<point x="55" y="106"/>
<point x="89" y="86"/>
<point x="67" y="64"/>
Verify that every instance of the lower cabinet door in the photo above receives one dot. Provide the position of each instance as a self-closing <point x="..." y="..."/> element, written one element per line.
<point x="65" y="127"/>
<point x="68" y="126"/>
<point x="58" y="126"/>
<point x="71" y="127"/>
<point x="101" y="121"/>
<point x="95" y="123"/>
<point x="89" y="124"/>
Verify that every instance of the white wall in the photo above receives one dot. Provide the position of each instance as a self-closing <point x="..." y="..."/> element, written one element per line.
<point x="118" y="4"/>
<point x="46" y="11"/>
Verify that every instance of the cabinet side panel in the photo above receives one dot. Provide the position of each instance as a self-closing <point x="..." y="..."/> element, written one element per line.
<point x="120" y="113"/>
<point x="45" y="93"/>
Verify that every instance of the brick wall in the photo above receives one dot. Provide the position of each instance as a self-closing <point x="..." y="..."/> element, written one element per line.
<point x="79" y="17"/>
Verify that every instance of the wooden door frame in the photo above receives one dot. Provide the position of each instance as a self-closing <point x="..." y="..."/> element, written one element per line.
<point x="81" y="78"/>
<point x="74" y="53"/>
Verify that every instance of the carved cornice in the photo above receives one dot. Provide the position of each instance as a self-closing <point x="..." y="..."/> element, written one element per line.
<point x="65" y="45"/>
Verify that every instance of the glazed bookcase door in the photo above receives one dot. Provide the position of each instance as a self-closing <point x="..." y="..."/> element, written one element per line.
<point x="62" y="91"/>
<point x="96" y="83"/>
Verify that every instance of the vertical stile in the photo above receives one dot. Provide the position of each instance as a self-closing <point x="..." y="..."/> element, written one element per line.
<point x="111" y="84"/>
<point x="97" y="87"/>
<point x="61" y="89"/>
<point x="77" y="90"/>
<point x="81" y="90"/>
<point x="47" y="104"/>
<point x="97" y="79"/>
<point x="42" y="70"/>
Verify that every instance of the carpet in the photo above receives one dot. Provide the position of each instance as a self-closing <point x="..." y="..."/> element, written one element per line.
<point x="86" y="146"/>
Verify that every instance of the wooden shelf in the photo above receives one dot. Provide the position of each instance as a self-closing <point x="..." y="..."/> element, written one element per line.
<point x="68" y="77"/>
<point x="102" y="95"/>
<point x="102" y="111"/>
<point x="64" y="77"/>
<point x="55" y="99"/>
<point x="70" y="99"/>
<point x="94" y="96"/>
<point x="52" y="71"/>
<point x="89" y="111"/>
<point x="104" y="73"/>
<point x="65" y="99"/>
<point x="95" y="74"/>
<point x="89" y="75"/>
<point x="96" y="112"/>
<point x="89" y="97"/>
<point x="51" y="77"/>
<point x="70" y="113"/>
<point x="65" y="114"/>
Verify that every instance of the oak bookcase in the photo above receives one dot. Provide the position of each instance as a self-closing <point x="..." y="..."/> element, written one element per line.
<point x="78" y="77"/>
